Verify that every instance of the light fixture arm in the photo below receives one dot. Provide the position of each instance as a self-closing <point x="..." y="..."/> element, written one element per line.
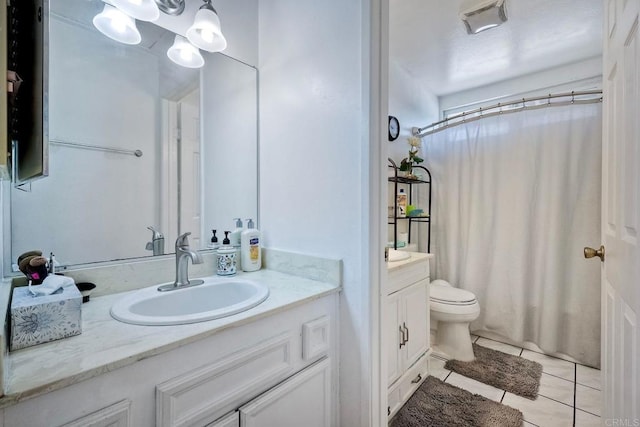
<point x="171" y="7"/>
<point x="207" y="5"/>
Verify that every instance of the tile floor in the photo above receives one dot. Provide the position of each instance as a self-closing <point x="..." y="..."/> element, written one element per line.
<point x="569" y="393"/>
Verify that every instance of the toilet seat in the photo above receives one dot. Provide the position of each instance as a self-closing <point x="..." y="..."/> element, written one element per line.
<point x="451" y="296"/>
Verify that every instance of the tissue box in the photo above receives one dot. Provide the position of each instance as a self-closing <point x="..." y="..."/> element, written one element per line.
<point x="36" y="320"/>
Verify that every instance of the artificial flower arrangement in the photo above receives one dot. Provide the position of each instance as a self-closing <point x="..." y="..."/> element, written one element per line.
<point x="407" y="164"/>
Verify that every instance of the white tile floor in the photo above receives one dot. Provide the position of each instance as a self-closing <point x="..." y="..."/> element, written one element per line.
<point x="569" y="393"/>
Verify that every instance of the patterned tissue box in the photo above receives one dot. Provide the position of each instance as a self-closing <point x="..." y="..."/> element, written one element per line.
<point x="44" y="318"/>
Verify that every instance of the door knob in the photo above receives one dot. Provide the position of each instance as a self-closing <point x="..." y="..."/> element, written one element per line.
<point x="590" y="253"/>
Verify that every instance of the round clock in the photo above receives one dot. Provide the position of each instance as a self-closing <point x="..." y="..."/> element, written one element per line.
<point x="394" y="128"/>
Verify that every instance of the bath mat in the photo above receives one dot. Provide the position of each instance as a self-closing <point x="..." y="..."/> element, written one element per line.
<point x="514" y="374"/>
<point x="439" y="404"/>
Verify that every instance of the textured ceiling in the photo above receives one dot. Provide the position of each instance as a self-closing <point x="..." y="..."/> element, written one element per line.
<point x="429" y="41"/>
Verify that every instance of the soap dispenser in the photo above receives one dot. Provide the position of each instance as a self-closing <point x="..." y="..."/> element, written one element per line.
<point x="214" y="241"/>
<point x="226" y="257"/>
<point x="250" y="253"/>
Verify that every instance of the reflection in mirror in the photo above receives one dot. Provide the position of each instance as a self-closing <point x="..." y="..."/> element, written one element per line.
<point x="136" y="142"/>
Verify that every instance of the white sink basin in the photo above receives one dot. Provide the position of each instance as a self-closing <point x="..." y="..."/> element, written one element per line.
<point x="395" y="255"/>
<point x="216" y="297"/>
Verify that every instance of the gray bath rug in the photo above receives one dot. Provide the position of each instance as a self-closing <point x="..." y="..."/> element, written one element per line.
<point x="436" y="404"/>
<point x="514" y="374"/>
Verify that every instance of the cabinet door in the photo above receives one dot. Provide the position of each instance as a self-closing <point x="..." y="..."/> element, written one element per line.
<point x="416" y="317"/>
<point x="302" y="400"/>
<point x="393" y="338"/>
<point x="230" y="420"/>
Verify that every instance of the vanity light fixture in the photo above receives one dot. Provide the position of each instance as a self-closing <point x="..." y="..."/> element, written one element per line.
<point x="483" y="15"/>
<point x="117" y="25"/>
<point x="144" y="10"/>
<point x="205" y="31"/>
<point x="184" y="53"/>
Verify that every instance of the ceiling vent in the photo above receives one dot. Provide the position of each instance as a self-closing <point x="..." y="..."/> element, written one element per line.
<point x="483" y="15"/>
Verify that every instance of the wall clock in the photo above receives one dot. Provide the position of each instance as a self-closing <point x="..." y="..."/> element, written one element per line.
<point x="394" y="128"/>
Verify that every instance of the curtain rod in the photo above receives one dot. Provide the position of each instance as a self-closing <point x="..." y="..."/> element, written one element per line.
<point x="506" y="107"/>
<point x="137" y="153"/>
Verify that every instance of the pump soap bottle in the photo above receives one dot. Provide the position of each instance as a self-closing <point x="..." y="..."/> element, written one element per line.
<point x="250" y="253"/>
<point x="214" y="241"/>
<point x="226" y="257"/>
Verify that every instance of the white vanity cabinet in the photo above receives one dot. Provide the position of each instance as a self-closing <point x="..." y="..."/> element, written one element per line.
<point x="408" y="323"/>
<point x="277" y="367"/>
<point x="407" y="329"/>
<point x="304" y="398"/>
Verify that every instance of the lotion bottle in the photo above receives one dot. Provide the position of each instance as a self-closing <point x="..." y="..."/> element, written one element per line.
<point x="250" y="250"/>
<point x="401" y="201"/>
<point x="234" y="237"/>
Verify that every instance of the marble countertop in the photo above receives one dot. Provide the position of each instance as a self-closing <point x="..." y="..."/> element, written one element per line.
<point x="413" y="258"/>
<point x="107" y="344"/>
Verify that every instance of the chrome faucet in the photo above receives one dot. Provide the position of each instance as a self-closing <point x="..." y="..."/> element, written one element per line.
<point x="183" y="253"/>
<point x="157" y="242"/>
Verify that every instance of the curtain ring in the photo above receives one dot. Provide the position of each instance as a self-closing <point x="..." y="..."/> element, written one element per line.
<point x="549" y="100"/>
<point x="499" y="108"/>
<point x="573" y="97"/>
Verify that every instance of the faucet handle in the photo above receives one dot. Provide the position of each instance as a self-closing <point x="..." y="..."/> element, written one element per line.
<point x="156" y="233"/>
<point x="182" y="241"/>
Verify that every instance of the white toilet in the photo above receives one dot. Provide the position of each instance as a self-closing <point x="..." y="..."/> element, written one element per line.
<point x="453" y="309"/>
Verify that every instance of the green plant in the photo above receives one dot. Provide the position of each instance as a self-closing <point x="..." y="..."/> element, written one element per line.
<point x="407" y="163"/>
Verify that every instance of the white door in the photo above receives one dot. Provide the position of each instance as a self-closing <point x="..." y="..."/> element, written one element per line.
<point x="302" y="400"/>
<point x="394" y="338"/>
<point x="416" y="321"/>
<point x="621" y="213"/>
<point x="190" y="177"/>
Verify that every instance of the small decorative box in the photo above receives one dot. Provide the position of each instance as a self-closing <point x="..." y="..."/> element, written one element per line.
<point x="44" y="318"/>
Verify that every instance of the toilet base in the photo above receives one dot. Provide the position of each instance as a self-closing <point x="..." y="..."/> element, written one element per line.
<point x="454" y="339"/>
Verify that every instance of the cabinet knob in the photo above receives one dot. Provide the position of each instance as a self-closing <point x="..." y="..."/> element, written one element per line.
<point x="590" y="253"/>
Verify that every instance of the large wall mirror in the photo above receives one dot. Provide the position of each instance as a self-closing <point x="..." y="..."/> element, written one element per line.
<point x="136" y="141"/>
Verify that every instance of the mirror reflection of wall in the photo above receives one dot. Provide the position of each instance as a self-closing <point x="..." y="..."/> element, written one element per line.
<point x="99" y="200"/>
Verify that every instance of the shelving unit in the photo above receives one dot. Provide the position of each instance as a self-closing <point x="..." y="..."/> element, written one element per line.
<point x="409" y="182"/>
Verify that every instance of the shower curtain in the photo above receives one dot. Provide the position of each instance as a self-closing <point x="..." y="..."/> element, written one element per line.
<point x="516" y="198"/>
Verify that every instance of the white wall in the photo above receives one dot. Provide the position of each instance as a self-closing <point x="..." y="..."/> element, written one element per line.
<point x="312" y="128"/>
<point x="412" y="103"/>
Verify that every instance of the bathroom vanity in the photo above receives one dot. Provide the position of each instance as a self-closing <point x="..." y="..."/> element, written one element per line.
<point x="406" y="327"/>
<point x="269" y="365"/>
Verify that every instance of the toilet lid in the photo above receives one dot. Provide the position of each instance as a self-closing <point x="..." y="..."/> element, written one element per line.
<point x="451" y="295"/>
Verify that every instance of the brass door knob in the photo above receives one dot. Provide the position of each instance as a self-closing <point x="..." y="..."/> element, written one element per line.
<point x="590" y="253"/>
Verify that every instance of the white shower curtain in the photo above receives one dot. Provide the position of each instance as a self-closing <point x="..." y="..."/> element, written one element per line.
<point x="516" y="198"/>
